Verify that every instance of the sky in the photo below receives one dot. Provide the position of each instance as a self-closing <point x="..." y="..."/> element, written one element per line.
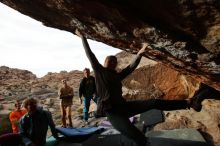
<point x="26" y="44"/>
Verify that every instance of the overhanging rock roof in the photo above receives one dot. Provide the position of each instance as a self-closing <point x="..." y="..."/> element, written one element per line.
<point x="185" y="34"/>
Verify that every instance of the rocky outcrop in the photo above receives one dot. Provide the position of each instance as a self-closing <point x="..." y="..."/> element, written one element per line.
<point x="17" y="83"/>
<point x="10" y="74"/>
<point x="184" y="34"/>
<point x="14" y="82"/>
<point x="206" y="121"/>
<point x="153" y="80"/>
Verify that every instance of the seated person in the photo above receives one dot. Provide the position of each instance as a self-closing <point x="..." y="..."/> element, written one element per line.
<point x="16" y="115"/>
<point x="34" y="125"/>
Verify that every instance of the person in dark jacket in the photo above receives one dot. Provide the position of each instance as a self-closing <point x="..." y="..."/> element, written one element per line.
<point x="87" y="89"/>
<point x="113" y="105"/>
<point x="34" y="125"/>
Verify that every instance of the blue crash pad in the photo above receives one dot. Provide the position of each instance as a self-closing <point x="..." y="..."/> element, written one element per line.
<point x="71" y="132"/>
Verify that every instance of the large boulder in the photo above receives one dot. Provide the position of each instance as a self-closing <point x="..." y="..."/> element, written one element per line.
<point x="153" y="80"/>
<point x="159" y="81"/>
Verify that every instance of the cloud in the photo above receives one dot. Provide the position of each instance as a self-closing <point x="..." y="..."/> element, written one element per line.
<point x="26" y="44"/>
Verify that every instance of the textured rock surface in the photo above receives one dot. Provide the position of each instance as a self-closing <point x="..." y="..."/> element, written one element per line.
<point x="206" y="121"/>
<point x="151" y="80"/>
<point x="185" y="34"/>
<point x="154" y="80"/>
<point x="15" y="83"/>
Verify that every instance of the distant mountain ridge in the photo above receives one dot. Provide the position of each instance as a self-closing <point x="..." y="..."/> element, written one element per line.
<point x="17" y="83"/>
<point x="7" y="73"/>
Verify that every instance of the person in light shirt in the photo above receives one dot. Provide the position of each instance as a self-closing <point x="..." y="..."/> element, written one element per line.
<point x="66" y="95"/>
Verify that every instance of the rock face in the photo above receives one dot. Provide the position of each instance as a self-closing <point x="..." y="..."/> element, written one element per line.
<point x="153" y="80"/>
<point x="206" y="121"/>
<point x="184" y="34"/>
